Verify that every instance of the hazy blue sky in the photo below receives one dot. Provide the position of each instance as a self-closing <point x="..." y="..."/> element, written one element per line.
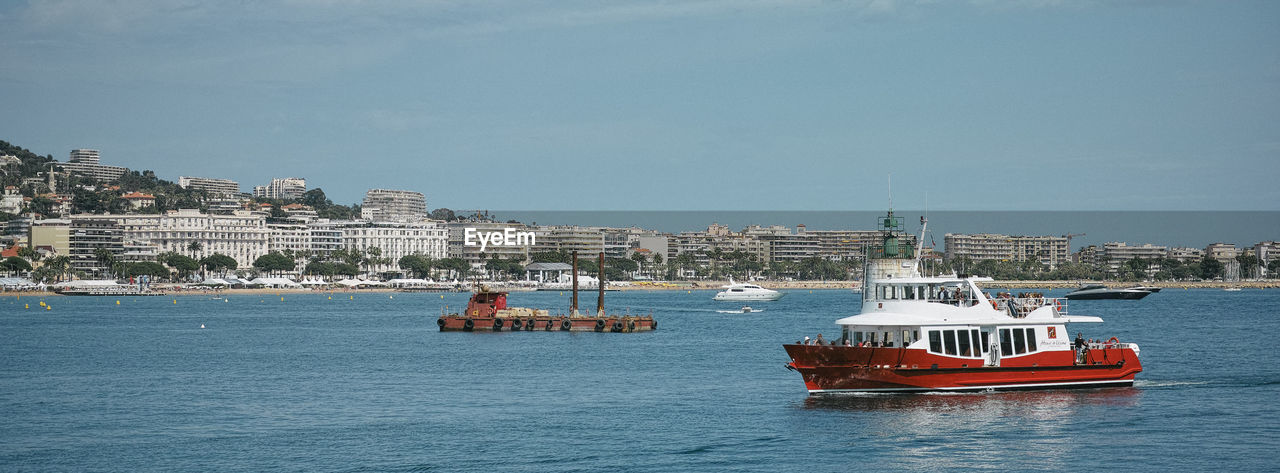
<point x="786" y="104"/>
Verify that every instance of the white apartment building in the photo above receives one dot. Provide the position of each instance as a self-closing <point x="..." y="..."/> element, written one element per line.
<point x="242" y="235"/>
<point x="282" y="188"/>
<point x="1049" y="250"/>
<point x="86" y="162"/>
<point x="1222" y="251"/>
<point x="292" y="236"/>
<point x="397" y="240"/>
<point x="1185" y="255"/>
<point x="472" y="254"/>
<point x="217" y="187"/>
<point x="569" y="238"/>
<point x="393" y="205"/>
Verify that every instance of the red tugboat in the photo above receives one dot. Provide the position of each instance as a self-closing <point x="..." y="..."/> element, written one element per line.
<point x="918" y="333"/>
<point x="487" y="311"/>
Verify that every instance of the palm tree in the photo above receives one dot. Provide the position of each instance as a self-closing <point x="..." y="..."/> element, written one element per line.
<point x="195" y="247"/>
<point x="105" y="258"/>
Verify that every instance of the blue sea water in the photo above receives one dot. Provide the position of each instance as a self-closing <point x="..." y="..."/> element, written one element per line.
<point x="369" y="384"/>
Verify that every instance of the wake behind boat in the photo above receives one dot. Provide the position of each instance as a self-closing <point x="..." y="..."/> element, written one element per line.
<point x="918" y="333"/>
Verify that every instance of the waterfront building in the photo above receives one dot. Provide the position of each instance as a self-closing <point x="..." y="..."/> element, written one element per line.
<point x="86" y="162"/>
<point x="1046" y="249"/>
<point x="52" y="235"/>
<point x="393" y="205"/>
<point x="19" y="228"/>
<point x="1267" y="251"/>
<point x="290" y="237"/>
<point x="587" y="241"/>
<point x="1222" y="252"/>
<point x="1185" y="255"/>
<point x="1115" y="254"/>
<point x="325" y="237"/>
<point x="396" y="240"/>
<point x="472" y="254"/>
<point x="242" y="235"/>
<point x="215" y="187"/>
<point x="90" y="234"/>
<point x="282" y="188"/>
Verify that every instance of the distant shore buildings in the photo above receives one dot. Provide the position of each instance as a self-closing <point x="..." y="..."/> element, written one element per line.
<point x="218" y="187"/>
<point x="393" y="205"/>
<point x="86" y="162"/>
<point x="282" y="188"/>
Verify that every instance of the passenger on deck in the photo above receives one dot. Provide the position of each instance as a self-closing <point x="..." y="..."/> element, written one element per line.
<point x="807" y="341"/>
<point x="1079" y="340"/>
<point x="819" y="341"/>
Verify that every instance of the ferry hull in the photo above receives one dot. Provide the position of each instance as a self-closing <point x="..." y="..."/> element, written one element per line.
<point x="832" y="369"/>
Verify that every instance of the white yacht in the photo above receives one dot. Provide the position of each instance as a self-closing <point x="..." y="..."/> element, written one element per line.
<point x="739" y="291"/>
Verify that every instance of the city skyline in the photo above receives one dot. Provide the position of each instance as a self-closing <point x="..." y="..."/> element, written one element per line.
<point x="698" y="105"/>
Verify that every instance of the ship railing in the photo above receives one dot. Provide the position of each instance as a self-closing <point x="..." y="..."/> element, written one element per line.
<point x="1019" y="307"/>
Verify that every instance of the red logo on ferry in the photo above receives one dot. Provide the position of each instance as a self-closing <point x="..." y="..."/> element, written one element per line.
<point x="1053" y="332"/>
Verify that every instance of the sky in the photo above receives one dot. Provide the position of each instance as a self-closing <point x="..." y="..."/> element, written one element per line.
<point x="694" y="105"/>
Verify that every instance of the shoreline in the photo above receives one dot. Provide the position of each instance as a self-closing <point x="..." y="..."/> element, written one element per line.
<point x="698" y="286"/>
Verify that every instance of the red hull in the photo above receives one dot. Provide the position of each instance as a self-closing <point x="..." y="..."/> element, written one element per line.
<point x="457" y="323"/>
<point x="864" y="369"/>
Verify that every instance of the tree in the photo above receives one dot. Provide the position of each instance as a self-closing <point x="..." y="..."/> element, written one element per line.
<point x="195" y="247"/>
<point x="15" y="264"/>
<point x="417" y="265"/>
<point x="1210" y="268"/>
<point x="443" y="214"/>
<point x="105" y="258"/>
<point x="184" y="265"/>
<point x="149" y="268"/>
<point x="219" y="263"/>
<point x="274" y="262"/>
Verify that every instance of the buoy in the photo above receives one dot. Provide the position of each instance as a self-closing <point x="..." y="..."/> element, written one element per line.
<point x="352" y="298"/>
<point x="48" y="307"/>
<point x="391" y="297"/>
<point x="281" y="299"/>
<point x="41" y="303"/>
<point x="442" y="296"/>
<point x="175" y="301"/>
<point x="117" y="302"/>
<point x="26" y="306"/>
<point x="201" y="325"/>
<point x="330" y="297"/>
<point x="225" y="300"/>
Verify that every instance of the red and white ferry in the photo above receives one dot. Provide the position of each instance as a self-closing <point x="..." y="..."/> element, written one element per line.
<point x="918" y="333"/>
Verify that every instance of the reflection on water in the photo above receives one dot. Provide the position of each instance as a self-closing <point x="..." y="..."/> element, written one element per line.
<point x="1021" y="402"/>
<point x="920" y="431"/>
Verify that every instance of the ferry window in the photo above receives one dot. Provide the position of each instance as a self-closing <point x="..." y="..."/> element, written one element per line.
<point x="888" y="339"/>
<point x="905" y="340"/>
<point x="1031" y="339"/>
<point x="857" y="338"/>
<point x="949" y="337"/>
<point x="964" y="343"/>
<point x="1006" y="343"/>
<point x="882" y="291"/>
<point x="915" y="335"/>
<point x="978" y="348"/>
<point x="908" y="292"/>
<point x="1019" y="341"/>
<point x="986" y="340"/>
<point x="873" y="337"/>
<point x="935" y="341"/>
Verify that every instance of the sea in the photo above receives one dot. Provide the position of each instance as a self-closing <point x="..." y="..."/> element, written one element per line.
<point x="352" y="382"/>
